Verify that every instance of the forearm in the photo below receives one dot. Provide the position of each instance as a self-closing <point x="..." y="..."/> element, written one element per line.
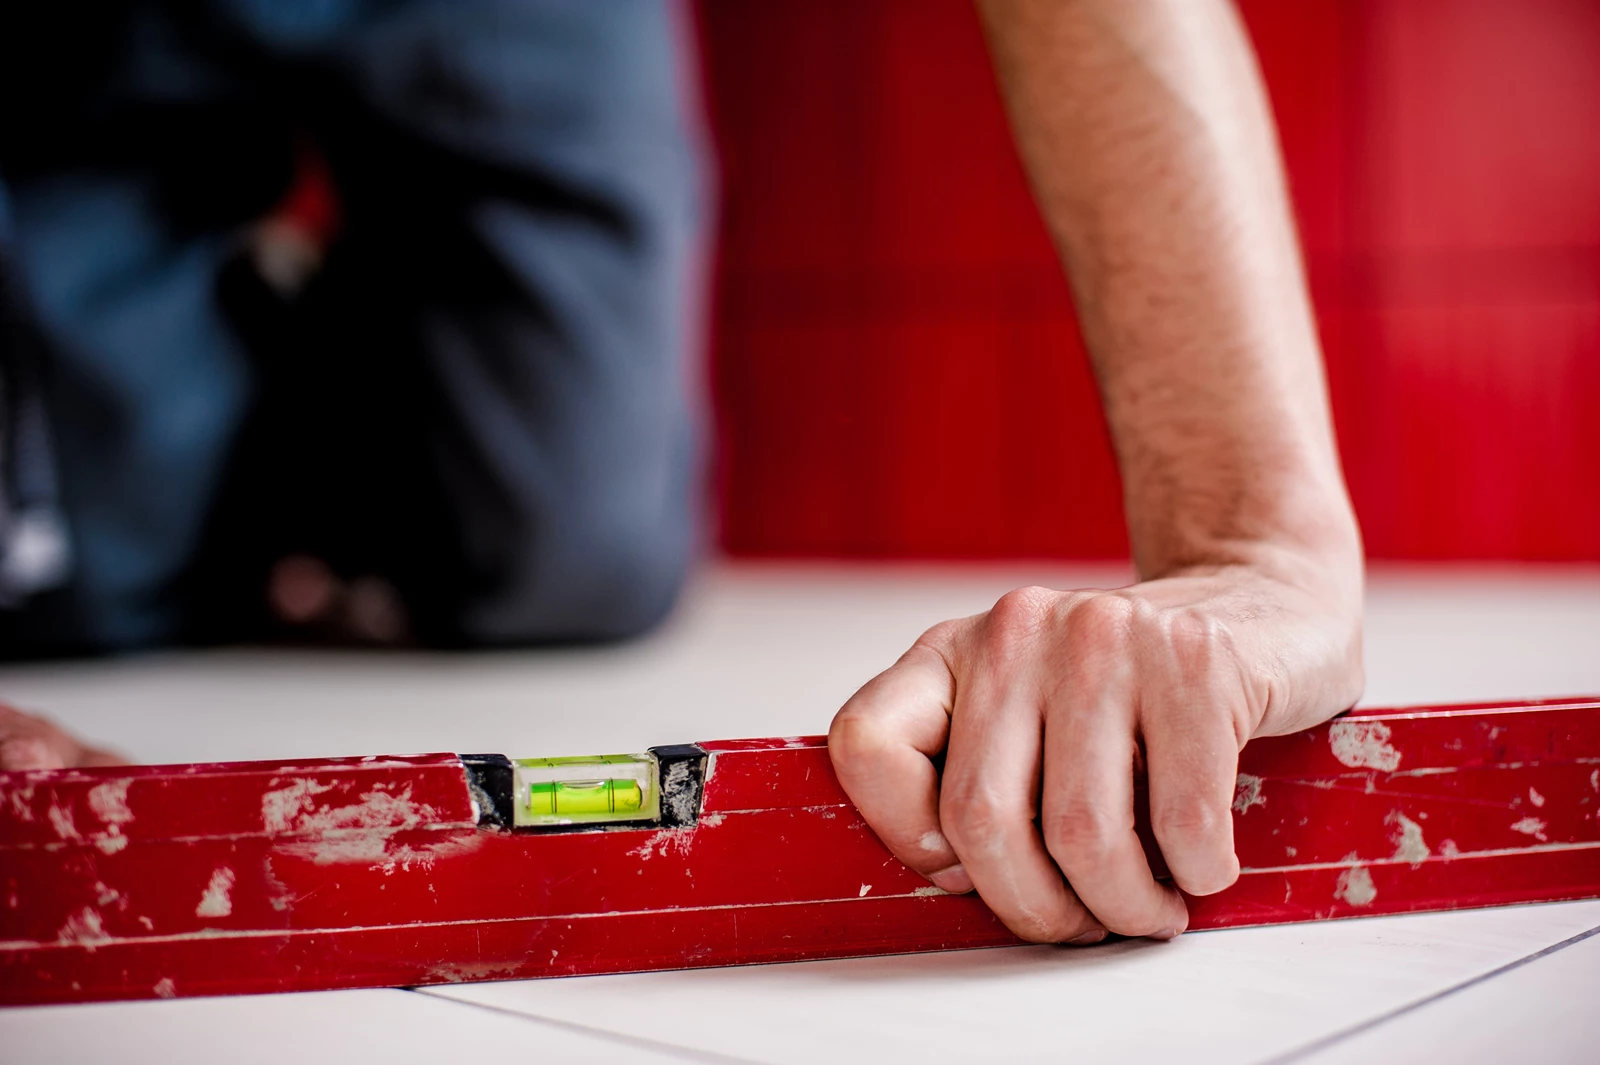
<point x="1146" y="133"/>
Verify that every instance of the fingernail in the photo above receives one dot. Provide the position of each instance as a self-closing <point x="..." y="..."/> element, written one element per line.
<point x="954" y="880"/>
<point x="1094" y="935"/>
<point x="1165" y="933"/>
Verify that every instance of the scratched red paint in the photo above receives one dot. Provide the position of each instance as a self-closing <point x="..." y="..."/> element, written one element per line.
<point x="158" y="881"/>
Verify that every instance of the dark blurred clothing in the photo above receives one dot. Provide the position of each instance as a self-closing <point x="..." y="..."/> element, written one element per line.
<point x="483" y="396"/>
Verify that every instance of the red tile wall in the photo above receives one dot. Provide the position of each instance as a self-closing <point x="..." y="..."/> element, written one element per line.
<point x="897" y="367"/>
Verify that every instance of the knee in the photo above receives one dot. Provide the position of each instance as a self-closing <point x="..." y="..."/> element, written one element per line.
<point x="584" y="576"/>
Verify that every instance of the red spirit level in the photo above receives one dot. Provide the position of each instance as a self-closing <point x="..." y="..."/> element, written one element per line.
<point x="156" y="881"/>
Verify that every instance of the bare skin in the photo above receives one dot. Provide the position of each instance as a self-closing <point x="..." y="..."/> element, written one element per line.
<point x="1148" y="140"/>
<point x="29" y="742"/>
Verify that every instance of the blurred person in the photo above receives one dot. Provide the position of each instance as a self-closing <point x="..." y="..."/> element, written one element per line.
<point x="471" y="397"/>
<point x="355" y="320"/>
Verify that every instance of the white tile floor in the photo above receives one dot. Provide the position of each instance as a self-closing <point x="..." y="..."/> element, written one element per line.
<point x="764" y="651"/>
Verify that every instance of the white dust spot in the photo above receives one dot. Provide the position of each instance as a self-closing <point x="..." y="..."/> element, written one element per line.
<point x="21" y="801"/>
<point x="1531" y="826"/>
<point x="83" y="928"/>
<point x="281" y="810"/>
<point x="1291" y="851"/>
<point x="1409" y="845"/>
<point x="1448" y="849"/>
<point x="1355" y="886"/>
<point x="664" y="842"/>
<point x="1534" y="797"/>
<point x="1363" y="745"/>
<point x="215" y="900"/>
<point x="712" y="820"/>
<point x="165" y="988"/>
<point x="110" y="844"/>
<point x="376" y="849"/>
<point x="1594" y="780"/>
<point x="864" y="889"/>
<point x="61" y="821"/>
<point x="109" y="801"/>
<point x="931" y="889"/>
<point x="1247" y="793"/>
<point x="294" y="809"/>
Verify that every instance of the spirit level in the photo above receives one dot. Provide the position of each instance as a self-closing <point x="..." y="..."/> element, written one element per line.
<point x="156" y="881"/>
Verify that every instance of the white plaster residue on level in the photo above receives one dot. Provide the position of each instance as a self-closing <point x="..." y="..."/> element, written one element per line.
<point x="1448" y="849"/>
<point x="1534" y="797"/>
<point x="216" y="900"/>
<point x="1531" y="826"/>
<point x="470" y="972"/>
<point x="931" y="889"/>
<point x="109" y="801"/>
<point x="677" y="794"/>
<point x="1363" y="745"/>
<point x="111" y="844"/>
<point x="1355" y="884"/>
<point x="863" y="892"/>
<point x="1247" y="793"/>
<point x="377" y="849"/>
<point x="105" y="895"/>
<point x="1409" y="846"/>
<point x="84" y="928"/>
<point x="282" y="808"/>
<point x="165" y="988"/>
<point x="21" y="800"/>
<point x="711" y="820"/>
<point x="61" y="820"/>
<point x="402" y="856"/>
<point x="294" y="809"/>
<point x="666" y="841"/>
<point x="1594" y="780"/>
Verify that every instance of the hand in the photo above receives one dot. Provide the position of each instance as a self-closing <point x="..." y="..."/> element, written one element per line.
<point x="29" y="742"/>
<point x="1045" y="707"/>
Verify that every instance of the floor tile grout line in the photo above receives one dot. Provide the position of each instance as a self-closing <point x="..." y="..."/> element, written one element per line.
<point x="660" y="1046"/>
<point x="1300" y="1053"/>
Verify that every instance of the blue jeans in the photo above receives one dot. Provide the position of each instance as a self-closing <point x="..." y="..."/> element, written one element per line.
<point x="485" y="393"/>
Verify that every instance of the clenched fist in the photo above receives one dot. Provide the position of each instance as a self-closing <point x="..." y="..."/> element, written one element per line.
<point x="1047" y="706"/>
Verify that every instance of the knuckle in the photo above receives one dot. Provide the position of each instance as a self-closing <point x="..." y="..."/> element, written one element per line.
<point x="973" y="817"/>
<point x="1107" y="620"/>
<point x="1022" y="612"/>
<point x="856" y="736"/>
<point x="1082" y="837"/>
<point x="941" y="637"/>
<point x="1197" y="636"/>
<point x="1198" y="821"/>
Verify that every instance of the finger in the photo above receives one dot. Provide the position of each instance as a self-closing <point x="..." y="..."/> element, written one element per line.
<point x="29" y="752"/>
<point x="882" y="744"/>
<point x="1192" y="740"/>
<point x="30" y="742"/>
<point x="1090" y="747"/>
<point x="988" y="805"/>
